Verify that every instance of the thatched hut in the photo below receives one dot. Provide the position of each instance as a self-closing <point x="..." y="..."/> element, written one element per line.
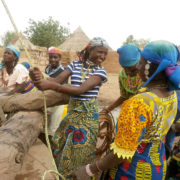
<point x="76" y="42"/>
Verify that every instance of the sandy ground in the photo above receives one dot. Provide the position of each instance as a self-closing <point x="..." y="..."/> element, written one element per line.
<point x="109" y="92"/>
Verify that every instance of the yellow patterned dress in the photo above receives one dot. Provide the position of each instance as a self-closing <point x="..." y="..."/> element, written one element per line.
<point x="142" y="126"/>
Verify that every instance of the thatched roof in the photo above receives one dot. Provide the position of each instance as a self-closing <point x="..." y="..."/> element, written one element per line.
<point x="76" y="42"/>
<point x="16" y="42"/>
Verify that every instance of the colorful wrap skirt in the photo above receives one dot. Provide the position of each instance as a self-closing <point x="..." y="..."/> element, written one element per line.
<point x="75" y="139"/>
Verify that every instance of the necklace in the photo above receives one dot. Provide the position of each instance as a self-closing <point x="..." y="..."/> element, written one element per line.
<point x="90" y="63"/>
<point x="84" y="74"/>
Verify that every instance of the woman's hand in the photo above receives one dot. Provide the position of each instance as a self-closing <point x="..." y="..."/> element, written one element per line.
<point x="105" y="110"/>
<point x="45" y="85"/>
<point x="80" y="174"/>
<point x="35" y="74"/>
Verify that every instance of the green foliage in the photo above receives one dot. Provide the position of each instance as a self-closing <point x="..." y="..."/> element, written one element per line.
<point x="46" y="33"/>
<point x="8" y="37"/>
<point x="139" y="42"/>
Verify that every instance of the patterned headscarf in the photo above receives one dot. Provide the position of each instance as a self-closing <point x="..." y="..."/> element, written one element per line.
<point x="53" y="50"/>
<point x="95" y="42"/>
<point x="129" y="55"/>
<point x="165" y="54"/>
<point x="15" y="49"/>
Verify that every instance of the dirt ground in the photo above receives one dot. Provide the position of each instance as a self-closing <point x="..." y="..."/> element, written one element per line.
<point x="109" y="92"/>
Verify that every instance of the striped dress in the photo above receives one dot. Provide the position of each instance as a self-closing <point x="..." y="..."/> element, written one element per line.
<point x="75" y="139"/>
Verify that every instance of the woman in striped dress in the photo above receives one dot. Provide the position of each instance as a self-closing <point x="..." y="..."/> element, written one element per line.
<point x="75" y="138"/>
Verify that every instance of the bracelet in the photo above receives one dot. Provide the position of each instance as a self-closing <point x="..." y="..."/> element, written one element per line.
<point x="88" y="171"/>
<point x="99" y="169"/>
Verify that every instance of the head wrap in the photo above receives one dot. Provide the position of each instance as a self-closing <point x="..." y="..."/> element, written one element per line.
<point x="15" y="49"/>
<point x="165" y="54"/>
<point x="53" y="50"/>
<point x="26" y="65"/>
<point x="129" y="55"/>
<point x="97" y="42"/>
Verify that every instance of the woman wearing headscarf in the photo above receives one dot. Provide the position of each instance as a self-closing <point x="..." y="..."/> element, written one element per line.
<point x="12" y="75"/>
<point x="129" y="79"/>
<point x="138" y="150"/>
<point x="57" y="113"/>
<point x="75" y="139"/>
<point x="54" y="68"/>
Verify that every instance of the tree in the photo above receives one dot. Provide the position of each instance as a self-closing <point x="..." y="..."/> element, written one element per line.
<point x="8" y="37"/>
<point x="139" y="42"/>
<point x="46" y="33"/>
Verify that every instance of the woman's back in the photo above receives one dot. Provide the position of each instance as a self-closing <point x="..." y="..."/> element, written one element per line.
<point x="146" y="119"/>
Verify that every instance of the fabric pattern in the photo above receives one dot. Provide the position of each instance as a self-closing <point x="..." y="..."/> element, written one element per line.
<point x="96" y="42"/>
<point x="142" y="125"/>
<point x="128" y="85"/>
<point x="166" y="55"/>
<point x="55" y="72"/>
<point x="53" y="50"/>
<point x="57" y="112"/>
<point x="75" y="139"/>
<point x="29" y="87"/>
<point x="79" y="74"/>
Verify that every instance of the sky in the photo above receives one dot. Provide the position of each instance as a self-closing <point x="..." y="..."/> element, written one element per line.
<point x="114" y="20"/>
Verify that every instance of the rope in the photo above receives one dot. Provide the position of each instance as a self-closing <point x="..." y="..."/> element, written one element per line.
<point x="17" y="32"/>
<point x="49" y="147"/>
<point x="44" y="98"/>
<point x="106" y="132"/>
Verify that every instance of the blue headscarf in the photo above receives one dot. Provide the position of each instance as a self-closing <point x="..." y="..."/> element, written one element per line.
<point x="165" y="54"/>
<point x="129" y="55"/>
<point x="16" y="50"/>
<point x="26" y="65"/>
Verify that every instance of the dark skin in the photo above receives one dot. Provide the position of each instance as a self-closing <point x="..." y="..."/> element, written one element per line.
<point x="130" y="71"/>
<point x="10" y="60"/>
<point x="54" y="60"/>
<point x="111" y="160"/>
<point x="96" y="55"/>
<point x="176" y="127"/>
<point x="160" y="92"/>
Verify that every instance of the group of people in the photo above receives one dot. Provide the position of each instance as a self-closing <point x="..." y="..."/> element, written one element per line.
<point x="148" y="121"/>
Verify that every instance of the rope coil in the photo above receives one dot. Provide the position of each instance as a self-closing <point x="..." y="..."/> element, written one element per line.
<point x="106" y="132"/>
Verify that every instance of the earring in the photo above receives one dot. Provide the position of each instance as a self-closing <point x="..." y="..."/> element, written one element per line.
<point x="147" y="67"/>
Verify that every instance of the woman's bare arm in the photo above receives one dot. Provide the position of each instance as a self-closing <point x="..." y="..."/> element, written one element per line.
<point x="69" y="89"/>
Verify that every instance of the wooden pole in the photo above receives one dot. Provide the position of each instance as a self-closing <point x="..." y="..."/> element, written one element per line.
<point x="32" y="101"/>
<point x="16" y="136"/>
